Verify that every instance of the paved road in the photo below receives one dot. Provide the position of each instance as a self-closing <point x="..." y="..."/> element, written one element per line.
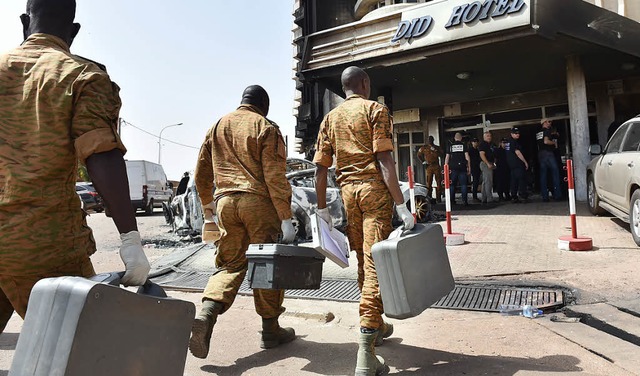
<point x="507" y="243"/>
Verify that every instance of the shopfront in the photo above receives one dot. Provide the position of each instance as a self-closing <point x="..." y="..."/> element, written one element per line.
<point x="471" y="66"/>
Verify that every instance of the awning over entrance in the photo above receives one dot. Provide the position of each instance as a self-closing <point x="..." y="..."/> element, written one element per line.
<point x="460" y="50"/>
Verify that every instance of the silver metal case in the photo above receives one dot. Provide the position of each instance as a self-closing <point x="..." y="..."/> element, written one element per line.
<point x="79" y="327"/>
<point x="413" y="271"/>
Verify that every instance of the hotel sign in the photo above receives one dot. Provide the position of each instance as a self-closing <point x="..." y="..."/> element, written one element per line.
<point x="446" y="21"/>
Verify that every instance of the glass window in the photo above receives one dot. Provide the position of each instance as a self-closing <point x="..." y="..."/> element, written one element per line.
<point x="404" y="160"/>
<point x="417" y="138"/>
<point x="632" y="140"/>
<point x="616" y="141"/>
<point x="403" y="138"/>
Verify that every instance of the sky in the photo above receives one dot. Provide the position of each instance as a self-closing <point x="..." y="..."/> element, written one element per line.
<point x="181" y="62"/>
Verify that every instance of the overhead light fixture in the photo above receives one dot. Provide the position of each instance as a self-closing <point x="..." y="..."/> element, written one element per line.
<point x="464" y="75"/>
<point x="628" y="66"/>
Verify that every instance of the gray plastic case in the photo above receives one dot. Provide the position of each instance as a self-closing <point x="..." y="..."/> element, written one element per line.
<point x="80" y="327"/>
<point x="413" y="271"/>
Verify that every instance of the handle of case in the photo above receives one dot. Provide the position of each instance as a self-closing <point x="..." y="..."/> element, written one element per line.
<point x="113" y="279"/>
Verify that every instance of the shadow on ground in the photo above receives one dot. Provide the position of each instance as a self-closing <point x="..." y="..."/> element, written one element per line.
<point x="339" y="359"/>
<point x="8" y="341"/>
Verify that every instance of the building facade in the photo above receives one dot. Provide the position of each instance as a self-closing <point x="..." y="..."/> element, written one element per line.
<point x="446" y="66"/>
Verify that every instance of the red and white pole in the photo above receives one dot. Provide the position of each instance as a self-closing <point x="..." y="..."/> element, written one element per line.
<point x="573" y="242"/>
<point x="450" y="237"/>
<point x="412" y="194"/>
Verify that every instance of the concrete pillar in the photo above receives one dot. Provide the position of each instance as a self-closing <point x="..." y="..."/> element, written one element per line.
<point x="606" y="115"/>
<point x="577" y="94"/>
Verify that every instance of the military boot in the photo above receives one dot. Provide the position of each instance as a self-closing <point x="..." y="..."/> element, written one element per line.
<point x="273" y="335"/>
<point x="368" y="363"/>
<point x="203" y="327"/>
<point x="384" y="331"/>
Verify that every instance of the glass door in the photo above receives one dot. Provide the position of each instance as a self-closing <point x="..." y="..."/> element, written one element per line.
<point x="408" y="143"/>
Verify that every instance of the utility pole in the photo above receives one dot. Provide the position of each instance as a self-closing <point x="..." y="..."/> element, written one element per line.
<point x="160" y="140"/>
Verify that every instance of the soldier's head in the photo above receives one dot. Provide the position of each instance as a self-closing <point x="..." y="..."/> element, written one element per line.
<point x="431" y="140"/>
<point x="486" y="136"/>
<point x="458" y="136"/>
<point x="54" y="17"/>
<point x="355" y="81"/>
<point x="257" y="96"/>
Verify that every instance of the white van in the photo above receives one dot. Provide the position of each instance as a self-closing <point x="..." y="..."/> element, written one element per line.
<point x="148" y="185"/>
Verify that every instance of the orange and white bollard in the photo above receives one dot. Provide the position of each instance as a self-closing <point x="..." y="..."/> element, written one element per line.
<point x="450" y="238"/>
<point x="412" y="194"/>
<point x="573" y="242"/>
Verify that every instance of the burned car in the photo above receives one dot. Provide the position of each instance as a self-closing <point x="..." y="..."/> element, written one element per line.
<point x="184" y="213"/>
<point x="301" y="176"/>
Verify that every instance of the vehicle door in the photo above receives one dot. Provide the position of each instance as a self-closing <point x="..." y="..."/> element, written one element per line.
<point x="623" y="167"/>
<point x="603" y="172"/>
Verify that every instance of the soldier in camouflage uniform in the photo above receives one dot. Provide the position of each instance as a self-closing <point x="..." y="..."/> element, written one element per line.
<point x="359" y="134"/>
<point x="244" y="158"/>
<point x="56" y="109"/>
<point x="430" y="155"/>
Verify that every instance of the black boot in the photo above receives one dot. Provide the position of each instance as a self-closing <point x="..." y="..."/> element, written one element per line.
<point x="273" y="335"/>
<point x="203" y="327"/>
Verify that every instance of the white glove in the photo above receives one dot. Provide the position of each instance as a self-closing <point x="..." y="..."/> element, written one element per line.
<point x="288" y="232"/>
<point x="406" y="216"/>
<point x="424" y="163"/>
<point x="135" y="262"/>
<point x="324" y="214"/>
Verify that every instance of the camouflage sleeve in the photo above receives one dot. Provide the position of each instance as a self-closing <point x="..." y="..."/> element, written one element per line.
<point x="324" y="150"/>
<point x="95" y="119"/>
<point x="381" y="128"/>
<point x="204" y="171"/>
<point x="274" y="165"/>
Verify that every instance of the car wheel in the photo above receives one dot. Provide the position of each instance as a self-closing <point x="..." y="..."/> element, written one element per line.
<point x="592" y="195"/>
<point x="149" y="209"/>
<point x="634" y="216"/>
<point x="423" y="208"/>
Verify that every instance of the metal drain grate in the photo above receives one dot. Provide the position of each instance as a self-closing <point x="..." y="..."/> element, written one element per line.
<point x="489" y="298"/>
<point x="463" y="297"/>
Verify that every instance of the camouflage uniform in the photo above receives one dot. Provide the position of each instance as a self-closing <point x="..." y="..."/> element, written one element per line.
<point x="431" y="154"/>
<point x="355" y="131"/>
<point x="244" y="158"/>
<point x="55" y="109"/>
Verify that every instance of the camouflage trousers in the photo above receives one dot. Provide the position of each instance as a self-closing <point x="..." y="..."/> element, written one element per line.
<point x="244" y="219"/>
<point x="434" y="171"/>
<point x="15" y="290"/>
<point x="369" y="209"/>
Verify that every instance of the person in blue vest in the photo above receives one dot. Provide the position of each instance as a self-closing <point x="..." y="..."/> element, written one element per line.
<point x="459" y="165"/>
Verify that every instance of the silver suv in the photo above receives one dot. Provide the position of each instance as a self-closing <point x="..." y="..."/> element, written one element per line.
<point x="613" y="177"/>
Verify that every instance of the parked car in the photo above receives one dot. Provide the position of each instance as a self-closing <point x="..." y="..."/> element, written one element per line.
<point x="613" y="177"/>
<point x="148" y="185"/>
<point x="90" y="198"/>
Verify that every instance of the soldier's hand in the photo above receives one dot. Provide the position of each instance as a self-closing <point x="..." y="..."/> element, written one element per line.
<point x="135" y="262"/>
<point x="405" y="216"/>
<point x="288" y="232"/>
<point x="209" y="216"/>
<point x="324" y="214"/>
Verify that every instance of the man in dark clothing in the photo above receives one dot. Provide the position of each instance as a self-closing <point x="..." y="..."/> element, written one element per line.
<point x="476" y="173"/>
<point x="518" y="166"/>
<point x="459" y="165"/>
<point x="547" y="144"/>
<point x="502" y="172"/>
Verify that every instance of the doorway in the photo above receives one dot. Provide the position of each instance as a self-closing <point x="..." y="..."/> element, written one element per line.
<point x="408" y="143"/>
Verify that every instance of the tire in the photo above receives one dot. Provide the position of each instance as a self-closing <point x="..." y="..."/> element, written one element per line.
<point x="423" y="209"/>
<point x="149" y="209"/>
<point x="592" y="197"/>
<point x="634" y="216"/>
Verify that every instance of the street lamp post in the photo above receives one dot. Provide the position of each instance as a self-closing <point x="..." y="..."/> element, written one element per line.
<point x="160" y="139"/>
